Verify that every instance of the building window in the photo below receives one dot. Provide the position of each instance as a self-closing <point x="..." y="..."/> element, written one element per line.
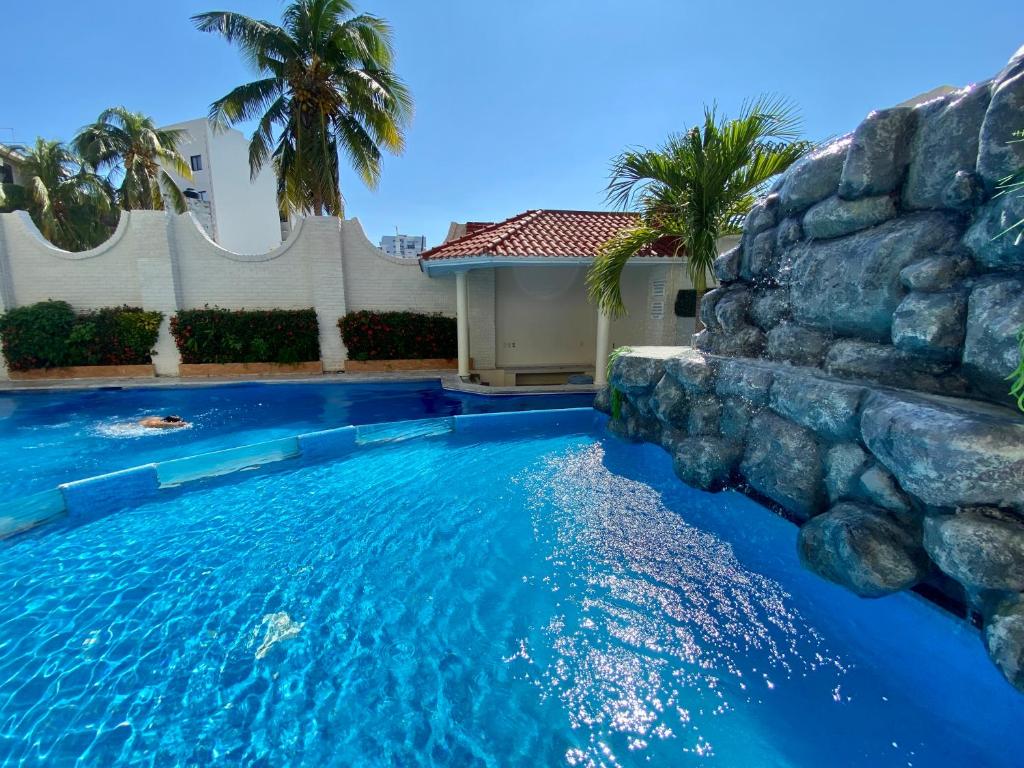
<point x="197" y="162"/>
<point x="6" y="174"/>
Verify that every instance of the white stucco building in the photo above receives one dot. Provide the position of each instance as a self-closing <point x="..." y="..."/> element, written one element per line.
<point x="238" y="213"/>
<point x="10" y="162"/>
<point x="405" y="246"/>
<point x="544" y="327"/>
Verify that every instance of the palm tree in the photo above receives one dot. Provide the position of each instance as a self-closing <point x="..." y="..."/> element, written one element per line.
<point x="69" y="203"/>
<point x="327" y="85"/>
<point x="695" y="189"/>
<point x="129" y="146"/>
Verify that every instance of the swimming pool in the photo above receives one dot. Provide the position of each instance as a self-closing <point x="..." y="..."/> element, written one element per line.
<point x="52" y="437"/>
<point x="547" y="599"/>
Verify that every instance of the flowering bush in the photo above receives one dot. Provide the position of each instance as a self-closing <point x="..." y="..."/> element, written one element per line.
<point x="214" y="335"/>
<point x="50" y="335"/>
<point x="398" y="336"/>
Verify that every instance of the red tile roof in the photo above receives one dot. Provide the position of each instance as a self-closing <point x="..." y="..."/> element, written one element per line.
<point x="541" y="233"/>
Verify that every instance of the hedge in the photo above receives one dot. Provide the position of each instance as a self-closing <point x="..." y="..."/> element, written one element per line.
<point x="51" y="335"/>
<point x="398" y="336"/>
<point x="214" y="335"/>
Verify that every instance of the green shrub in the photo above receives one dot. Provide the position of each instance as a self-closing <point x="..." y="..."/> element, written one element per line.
<point x="398" y="336"/>
<point x="50" y="335"/>
<point x="214" y="335"/>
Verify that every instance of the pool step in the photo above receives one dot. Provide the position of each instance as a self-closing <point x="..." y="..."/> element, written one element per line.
<point x="395" y="431"/>
<point x="102" y="495"/>
<point x="177" y="471"/>
<point x="28" y="511"/>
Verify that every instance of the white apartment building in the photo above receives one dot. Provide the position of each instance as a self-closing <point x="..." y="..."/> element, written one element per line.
<point x="238" y="213"/>
<point x="10" y="163"/>
<point x="403" y="246"/>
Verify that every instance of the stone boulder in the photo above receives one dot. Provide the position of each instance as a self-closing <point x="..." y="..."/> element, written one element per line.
<point x="704" y="415"/>
<point x="1004" y="640"/>
<point x="727" y="265"/>
<point x="669" y="402"/>
<point x="931" y="324"/>
<point x="851" y="285"/>
<point x="759" y="262"/>
<point x="834" y="217"/>
<point x="783" y="462"/>
<point x="763" y="215"/>
<point x="789" y="232"/>
<point x="995" y="315"/>
<point x="828" y="408"/>
<point x="936" y="273"/>
<point x="879" y="487"/>
<point x="769" y="307"/>
<point x="671" y="437"/>
<point x="987" y="238"/>
<point x="844" y="464"/>
<point x="886" y="364"/>
<point x="795" y="344"/>
<point x="708" y="302"/>
<point x="947" y="454"/>
<point x="998" y="154"/>
<point x="745" y="341"/>
<point x="694" y="371"/>
<point x="636" y="372"/>
<point x="813" y="178"/>
<point x="879" y="153"/>
<point x="705" y="462"/>
<point x="602" y="400"/>
<point x="744" y="379"/>
<point x="731" y="309"/>
<point x="737" y="414"/>
<point x="980" y="548"/>
<point x="861" y="548"/>
<point x="946" y="141"/>
<point x="964" y="192"/>
<point x="642" y="404"/>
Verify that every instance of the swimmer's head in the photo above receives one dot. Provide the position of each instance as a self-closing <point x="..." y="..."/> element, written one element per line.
<point x="172" y="419"/>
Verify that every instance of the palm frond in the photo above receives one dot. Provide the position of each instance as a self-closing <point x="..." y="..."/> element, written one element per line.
<point x="695" y="188"/>
<point x="327" y="86"/>
<point x="605" y="274"/>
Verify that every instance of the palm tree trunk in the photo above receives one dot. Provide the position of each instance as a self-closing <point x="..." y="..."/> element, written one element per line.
<point x="700" y="287"/>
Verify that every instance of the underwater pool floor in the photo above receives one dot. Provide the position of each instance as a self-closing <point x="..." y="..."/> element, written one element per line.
<point x="544" y="600"/>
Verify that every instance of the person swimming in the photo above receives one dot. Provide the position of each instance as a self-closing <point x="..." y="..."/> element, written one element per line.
<point x="163" y="422"/>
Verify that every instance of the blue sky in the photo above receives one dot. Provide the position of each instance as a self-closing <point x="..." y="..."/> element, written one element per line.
<point x="519" y="104"/>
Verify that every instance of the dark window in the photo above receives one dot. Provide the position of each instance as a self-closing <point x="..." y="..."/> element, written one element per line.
<point x="6" y="174"/>
<point x="686" y="303"/>
<point x="197" y="162"/>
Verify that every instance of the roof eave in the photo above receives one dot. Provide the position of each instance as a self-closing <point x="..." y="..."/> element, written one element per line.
<point x="439" y="267"/>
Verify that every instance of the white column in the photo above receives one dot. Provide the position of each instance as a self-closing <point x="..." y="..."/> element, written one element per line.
<point x="462" y="322"/>
<point x="601" y="361"/>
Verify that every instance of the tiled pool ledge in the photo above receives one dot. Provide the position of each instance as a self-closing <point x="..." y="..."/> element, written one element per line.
<point x="100" y="495"/>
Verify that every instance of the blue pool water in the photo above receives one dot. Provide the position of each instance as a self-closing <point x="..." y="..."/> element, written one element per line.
<point x="48" y="438"/>
<point x="557" y="600"/>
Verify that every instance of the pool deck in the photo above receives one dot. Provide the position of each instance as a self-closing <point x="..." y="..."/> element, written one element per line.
<point x="448" y="380"/>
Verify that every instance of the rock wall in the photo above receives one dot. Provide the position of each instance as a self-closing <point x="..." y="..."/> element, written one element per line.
<point x="853" y="369"/>
<point x="879" y="256"/>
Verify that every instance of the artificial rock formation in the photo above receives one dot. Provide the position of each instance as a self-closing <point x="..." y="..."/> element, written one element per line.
<point x="853" y="367"/>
